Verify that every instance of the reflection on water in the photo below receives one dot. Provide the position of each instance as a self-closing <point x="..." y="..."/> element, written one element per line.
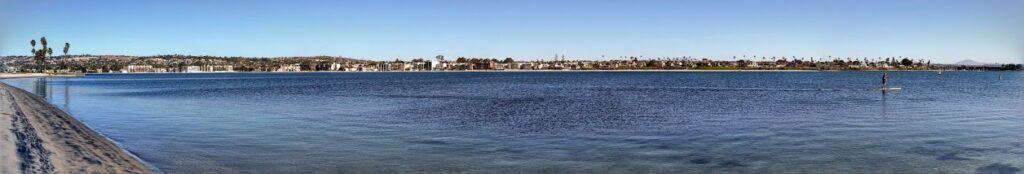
<point x="67" y="98"/>
<point x="41" y="88"/>
<point x="821" y="122"/>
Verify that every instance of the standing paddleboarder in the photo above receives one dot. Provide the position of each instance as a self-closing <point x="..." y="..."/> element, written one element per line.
<point x="885" y="81"/>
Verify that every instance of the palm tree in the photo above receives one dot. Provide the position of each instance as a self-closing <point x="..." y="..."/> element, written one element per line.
<point x="49" y="52"/>
<point x="42" y="55"/>
<point x="66" y="47"/>
<point x="62" y="64"/>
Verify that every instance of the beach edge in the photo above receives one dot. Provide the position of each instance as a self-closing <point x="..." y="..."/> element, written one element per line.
<point x="45" y="139"/>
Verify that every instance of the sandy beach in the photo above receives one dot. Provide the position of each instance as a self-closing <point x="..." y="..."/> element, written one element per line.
<point x="36" y="137"/>
<point x="32" y="75"/>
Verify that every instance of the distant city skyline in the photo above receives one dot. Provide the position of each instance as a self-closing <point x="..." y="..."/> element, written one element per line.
<point x="945" y="31"/>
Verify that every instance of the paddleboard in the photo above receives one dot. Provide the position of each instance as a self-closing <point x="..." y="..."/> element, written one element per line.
<point x="891" y="89"/>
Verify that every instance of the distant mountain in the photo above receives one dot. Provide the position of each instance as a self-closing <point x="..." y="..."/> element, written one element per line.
<point x="970" y="62"/>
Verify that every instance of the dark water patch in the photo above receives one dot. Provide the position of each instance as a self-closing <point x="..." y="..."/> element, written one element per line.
<point x="718" y="89"/>
<point x="446" y="97"/>
<point x="941" y="153"/>
<point x="546" y="114"/>
<point x="429" y="142"/>
<point x="700" y="161"/>
<point x="511" y="150"/>
<point x="948" y="151"/>
<point x="674" y="157"/>
<point x="731" y="163"/>
<point x="951" y="157"/>
<point x="663" y="147"/>
<point x="997" y="168"/>
<point x="231" y="91"/>
<point x="652" y="144"/>
<point x="978" y="149"/>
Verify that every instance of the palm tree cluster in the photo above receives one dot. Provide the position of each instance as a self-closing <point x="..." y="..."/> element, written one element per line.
<point x="41" y="55"/>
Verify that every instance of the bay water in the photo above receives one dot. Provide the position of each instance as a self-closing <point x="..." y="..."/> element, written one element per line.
<point x="555" y="122"/>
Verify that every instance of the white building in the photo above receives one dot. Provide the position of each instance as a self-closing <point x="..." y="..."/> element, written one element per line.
<point x="289" y="68"/>
<point x="142" y="69"/>
<point x="337" y="67"/>
<point x="208" y="68"/>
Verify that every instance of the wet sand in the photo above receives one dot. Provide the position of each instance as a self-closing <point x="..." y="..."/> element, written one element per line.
<point x="36" y="137"/>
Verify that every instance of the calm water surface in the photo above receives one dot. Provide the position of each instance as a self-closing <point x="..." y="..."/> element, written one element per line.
<point x="617" y="122"/>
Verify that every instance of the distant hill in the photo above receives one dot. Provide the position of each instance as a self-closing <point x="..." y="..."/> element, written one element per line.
<point x="970" y="63"/>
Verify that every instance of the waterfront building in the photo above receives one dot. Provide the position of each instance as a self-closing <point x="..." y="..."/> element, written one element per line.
<point x="289" y="68"/>
<point x="140" y="69"/>
<point x="209" y="68"/>
<point x="193" y="69"/>
<point x="336" y="67"/>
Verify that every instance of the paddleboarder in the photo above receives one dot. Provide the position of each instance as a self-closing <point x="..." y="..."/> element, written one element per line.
<point x="885" y="81"/>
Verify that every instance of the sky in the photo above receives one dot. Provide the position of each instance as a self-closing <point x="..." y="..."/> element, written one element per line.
<point x="940" y="30"/>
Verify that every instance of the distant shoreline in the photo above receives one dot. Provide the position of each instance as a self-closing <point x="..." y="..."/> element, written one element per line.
<point x="38" y="75"/>
<point x="34" y="75"/>
<point x="207" y="64"/>
<point x="529" y="71"/>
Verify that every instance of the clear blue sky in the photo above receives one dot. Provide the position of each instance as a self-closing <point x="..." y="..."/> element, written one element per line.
<point x="944" y="30"/>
